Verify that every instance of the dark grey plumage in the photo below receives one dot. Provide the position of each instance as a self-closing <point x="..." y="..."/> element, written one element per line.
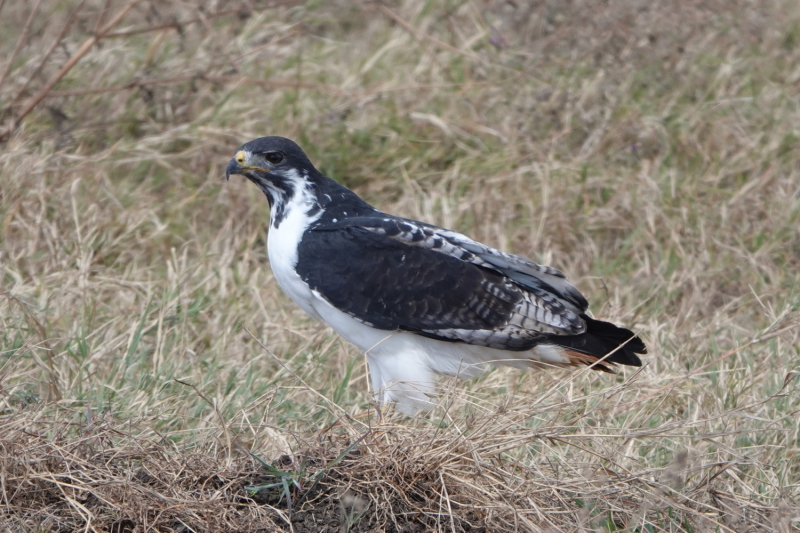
<point x="330" y="248"/>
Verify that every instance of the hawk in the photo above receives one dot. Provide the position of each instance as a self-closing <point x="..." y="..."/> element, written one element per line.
<point x="418" y="299"/>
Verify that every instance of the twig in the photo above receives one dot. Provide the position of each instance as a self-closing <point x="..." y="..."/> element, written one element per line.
<point x="82" y="51"/>
<point x="101" y="16"/>
<point x="168" y="25"/>
<point x="47" y="54"/>
<point x="447" y="499"/>
<point x="22" y="38"/>
<point x="189" y="22"/>
<point x="217" y="411"/>
<point x="133" y="84"/>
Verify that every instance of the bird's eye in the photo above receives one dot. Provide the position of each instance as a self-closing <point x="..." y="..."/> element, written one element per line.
<point x="273" y="157"/>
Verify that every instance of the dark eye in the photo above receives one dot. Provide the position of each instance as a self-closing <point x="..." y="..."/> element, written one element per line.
<point x="273" y="157"/>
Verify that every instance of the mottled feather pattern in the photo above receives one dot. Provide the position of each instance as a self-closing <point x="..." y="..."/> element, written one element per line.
<point x="495" y="311"/>
<point x="520" y="269"/>
<point x="402" y="287"/>
<point x="556" y="301"/>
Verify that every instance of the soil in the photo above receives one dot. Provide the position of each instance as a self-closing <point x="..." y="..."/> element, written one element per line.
<point x="326" y="508"/>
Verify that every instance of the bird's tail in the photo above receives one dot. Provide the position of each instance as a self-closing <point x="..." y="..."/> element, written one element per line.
<point x="600" y="340"/>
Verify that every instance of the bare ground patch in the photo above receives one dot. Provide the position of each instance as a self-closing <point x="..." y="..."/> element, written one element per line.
<point x="112" y="475"/>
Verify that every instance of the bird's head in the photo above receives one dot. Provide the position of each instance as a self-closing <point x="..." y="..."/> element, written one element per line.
<point x="277" y="165"/>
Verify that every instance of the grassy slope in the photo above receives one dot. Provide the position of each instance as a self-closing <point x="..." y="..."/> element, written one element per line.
<point x="650" y="153"/>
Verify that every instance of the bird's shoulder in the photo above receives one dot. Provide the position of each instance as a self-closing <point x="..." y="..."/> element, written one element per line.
<point x="379" y="229"/>
<point x="399" y="274"/>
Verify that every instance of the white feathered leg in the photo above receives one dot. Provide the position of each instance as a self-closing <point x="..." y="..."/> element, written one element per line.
<point x="402" y="377"/>
<point x="403" y="366"/>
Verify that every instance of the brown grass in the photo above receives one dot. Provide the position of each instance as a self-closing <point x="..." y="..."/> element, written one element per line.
<point x="648" y="150"/>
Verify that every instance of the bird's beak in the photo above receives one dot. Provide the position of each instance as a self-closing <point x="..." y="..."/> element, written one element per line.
<point x="233" y="168"/>
<point x="237" y="166"/>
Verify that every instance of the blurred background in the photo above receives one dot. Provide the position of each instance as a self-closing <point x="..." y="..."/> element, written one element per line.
<point x="647" y="149"/>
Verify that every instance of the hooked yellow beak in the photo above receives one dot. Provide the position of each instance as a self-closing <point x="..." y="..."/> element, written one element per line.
<point x="237" y="166"/>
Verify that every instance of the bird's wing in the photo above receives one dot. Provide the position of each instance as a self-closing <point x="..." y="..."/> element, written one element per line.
<point x="397" y="274"/>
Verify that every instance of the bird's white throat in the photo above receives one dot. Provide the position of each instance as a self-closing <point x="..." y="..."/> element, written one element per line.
<point x="284" y="237"/>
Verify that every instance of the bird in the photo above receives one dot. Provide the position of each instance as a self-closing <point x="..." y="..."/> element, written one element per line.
<point x="417" y="299"/>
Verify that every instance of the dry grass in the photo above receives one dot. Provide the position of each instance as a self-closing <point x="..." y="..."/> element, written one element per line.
<point x="647" y="149"/>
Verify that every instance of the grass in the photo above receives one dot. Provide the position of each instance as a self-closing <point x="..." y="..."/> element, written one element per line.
<point x="150" y="366"/>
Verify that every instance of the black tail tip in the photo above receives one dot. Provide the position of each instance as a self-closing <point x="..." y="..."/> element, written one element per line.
<point x="622" y="342"/>
<point x="625" y="357"/>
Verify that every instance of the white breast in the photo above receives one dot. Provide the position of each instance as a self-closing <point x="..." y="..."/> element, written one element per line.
<point x="282" y="249"/>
